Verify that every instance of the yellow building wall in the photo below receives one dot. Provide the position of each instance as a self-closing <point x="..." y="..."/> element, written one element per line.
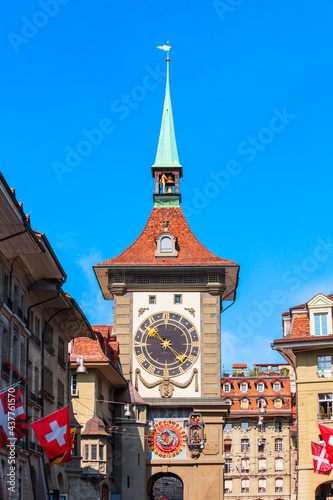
<point x="308" y="388"/>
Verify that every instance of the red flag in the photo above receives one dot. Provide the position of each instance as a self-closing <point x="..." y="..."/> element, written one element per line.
<point x="321" y="464"/>
<point x="64" y="457"/>
<point x="327" y="435"/>
<point x="13" y="423"/>
<point x="53" y="432"/>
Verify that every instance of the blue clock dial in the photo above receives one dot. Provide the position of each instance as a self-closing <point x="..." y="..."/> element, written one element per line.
<point x="166" y="344"/>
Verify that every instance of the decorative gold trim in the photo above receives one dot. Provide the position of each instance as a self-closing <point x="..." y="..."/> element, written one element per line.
<point x="142" y="310"/>
<point x="166" y="386"/>
<point x="190" y="310"/>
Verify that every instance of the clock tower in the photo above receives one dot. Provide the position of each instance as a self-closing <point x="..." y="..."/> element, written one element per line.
<point x="168" y="291"/>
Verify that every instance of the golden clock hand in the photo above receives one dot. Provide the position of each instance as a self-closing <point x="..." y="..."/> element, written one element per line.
<point x="152" y="332"/>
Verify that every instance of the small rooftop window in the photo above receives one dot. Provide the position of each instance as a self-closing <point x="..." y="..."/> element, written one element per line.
<point x="166" y="245"/>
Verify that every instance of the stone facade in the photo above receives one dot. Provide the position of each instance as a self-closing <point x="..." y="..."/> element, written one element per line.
<point x="308" y="343"/>
<point x="260" y="445"/>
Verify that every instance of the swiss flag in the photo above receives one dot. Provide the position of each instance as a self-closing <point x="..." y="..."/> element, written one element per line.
<point x="53" y="432"/>
<point x="321" y="464"/>
<point x="327" y="435"/>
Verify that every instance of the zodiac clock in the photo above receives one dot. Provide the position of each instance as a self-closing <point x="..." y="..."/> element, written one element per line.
<point x="166" y="344"/>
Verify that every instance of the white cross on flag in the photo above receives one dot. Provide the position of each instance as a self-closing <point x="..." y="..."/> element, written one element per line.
<point x="53" y="432"/>
<point x="321" y="464"/>
<point x="327" y="436"/>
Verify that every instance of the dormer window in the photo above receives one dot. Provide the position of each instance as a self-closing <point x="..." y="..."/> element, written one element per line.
<point x="243" y="387"/>
<point x="260" y="387"/>
<point x="244" y="404"/>
<point x="276" y="386"/>
<point x="227" y="387"/>
<point x="320" y="315"/>
<point x="166" y="245"/>
<point x="278" y="403"/>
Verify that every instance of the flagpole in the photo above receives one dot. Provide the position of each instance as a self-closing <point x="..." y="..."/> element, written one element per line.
<point x="9" y="386"/>
<point x="61" y="408"/>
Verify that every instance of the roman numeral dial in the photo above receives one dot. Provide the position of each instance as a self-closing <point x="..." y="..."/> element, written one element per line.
<point x="166" y="342"/>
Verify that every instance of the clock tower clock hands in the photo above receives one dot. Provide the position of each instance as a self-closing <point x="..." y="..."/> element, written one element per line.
<point x="152" y="332"/>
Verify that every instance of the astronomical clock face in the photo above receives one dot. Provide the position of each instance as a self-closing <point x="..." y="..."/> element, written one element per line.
<point x="167" y="440"/>
<point x="166" y="344"/>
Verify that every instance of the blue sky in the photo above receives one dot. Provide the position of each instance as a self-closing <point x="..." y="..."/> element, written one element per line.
<point x="251" y="89"/>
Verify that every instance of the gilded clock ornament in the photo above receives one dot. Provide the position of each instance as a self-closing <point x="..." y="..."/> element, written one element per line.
<point x="167" y="440"/>
<point x="166" y="344"/>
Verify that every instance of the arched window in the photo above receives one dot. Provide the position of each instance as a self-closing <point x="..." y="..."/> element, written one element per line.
<point x="245" y="485"/>
<point x="276" y="386"/>
<point x="262" y="485"/>
<point x="260" y="387"/>
<point x="245" y="466"/>
<point x="243" y="387"/>
<point x="278" y="464"/>
<point x="278" y="403"/>
<point x="278" y="485"/>
<point x="244" y="404"/>
<point x="226" y="387"/>
<point x="166" y="244"/>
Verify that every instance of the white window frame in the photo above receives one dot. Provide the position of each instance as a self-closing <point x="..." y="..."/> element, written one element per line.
<point x="278" y="445"/>
<point x="276" y="382"/>
<point x="278" y="401"/>
<point x="244" y="401"/>
<point x="225" y="385"/>
<point x="325" y="372"/>
<point x="261" y="385"/>
<point x="245" y="426"/>
<point x="244" y="385"/>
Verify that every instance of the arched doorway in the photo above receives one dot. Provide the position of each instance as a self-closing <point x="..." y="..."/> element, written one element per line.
<point x="165" y="487"/>
<point x="105" y="492"/>
<point x="324" y="490"/>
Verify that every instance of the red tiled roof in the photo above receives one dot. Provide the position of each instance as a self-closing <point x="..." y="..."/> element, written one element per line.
<point x="239" y="365"/>
<point x="190" y="251"/>
<point x="235" y="395"/>
<point x="301" y="326"/>
<point x="303" y="306"/>
<point x="104" y="348"/>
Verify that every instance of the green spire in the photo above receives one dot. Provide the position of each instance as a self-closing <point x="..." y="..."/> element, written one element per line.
<point x="167" y="155"/>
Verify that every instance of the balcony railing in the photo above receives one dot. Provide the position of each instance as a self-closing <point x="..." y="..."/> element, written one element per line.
<point x="35" y="339"/>
<point x="49" y="347"/>
<point x="325" y="416"/>
<point x="32" y="445"/>
<point x="62" y="362"/>
<point x="324" y="374"/>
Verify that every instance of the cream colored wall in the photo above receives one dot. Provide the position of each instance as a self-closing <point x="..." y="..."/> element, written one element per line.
<point x="236" y="455"/>
<point x="164" y="302"/>
<point x="308" y="388"/>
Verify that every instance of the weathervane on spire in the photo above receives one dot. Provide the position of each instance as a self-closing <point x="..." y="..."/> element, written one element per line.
<point x="167" y="48"/>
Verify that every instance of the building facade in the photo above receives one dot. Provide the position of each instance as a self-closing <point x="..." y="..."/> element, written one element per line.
<point x="307" y="344"/>
<point x="93" y="396"/>
<point x="259" y="435"/>
<point x="37" y="320"/>
<point x="168" y="290"/>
